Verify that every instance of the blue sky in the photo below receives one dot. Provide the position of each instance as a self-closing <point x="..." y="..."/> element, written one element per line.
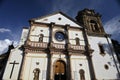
<point x="14" y="14"/>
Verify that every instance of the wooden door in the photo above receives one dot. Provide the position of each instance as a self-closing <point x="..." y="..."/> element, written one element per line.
<point x="60" y="70"/>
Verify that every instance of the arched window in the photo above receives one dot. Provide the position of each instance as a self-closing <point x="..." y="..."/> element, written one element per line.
<point x="41" y="38"/>
<point x="82" y="74"/>
<point x="94" y="26"/>
<point x="36" y="74"/>
<point x="77" y="41"/>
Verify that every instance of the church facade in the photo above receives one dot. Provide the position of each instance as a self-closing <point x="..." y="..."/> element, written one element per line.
<point x="57" y="47"/>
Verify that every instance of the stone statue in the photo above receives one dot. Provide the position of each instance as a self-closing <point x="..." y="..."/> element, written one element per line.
<point x="36" y="74"/>
<point x="82" y="75"/>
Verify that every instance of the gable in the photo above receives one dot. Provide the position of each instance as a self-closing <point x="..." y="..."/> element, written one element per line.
<point x="58" y="18"/>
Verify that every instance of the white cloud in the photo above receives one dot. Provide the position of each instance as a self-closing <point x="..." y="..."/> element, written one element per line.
<point x="2" y="30"/>
<point x="4" y="45"/>
<point x="113" y="27"/>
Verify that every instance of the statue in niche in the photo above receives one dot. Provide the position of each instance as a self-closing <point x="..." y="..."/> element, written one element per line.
<point x="36" y="74"/>
<point x="82" y="74"/>
<point x="41" y="38"/>
<point x="77" y="41"/>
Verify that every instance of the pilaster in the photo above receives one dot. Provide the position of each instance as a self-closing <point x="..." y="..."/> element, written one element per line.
<point x="67" y="33"/>
<point x="51" y="31"/>
<point x="49" y="66"/>
<point x="22" y="66"/>
<point x="68" y="67"/>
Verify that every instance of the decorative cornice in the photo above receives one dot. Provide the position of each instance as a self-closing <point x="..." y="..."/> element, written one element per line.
<point x="56" y="25"/>
<point x="98" y="34"/>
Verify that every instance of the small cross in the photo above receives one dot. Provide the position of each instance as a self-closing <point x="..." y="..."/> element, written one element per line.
<point x="13" y="63"/>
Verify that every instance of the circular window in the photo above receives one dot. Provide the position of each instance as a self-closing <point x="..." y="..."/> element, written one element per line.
<point x="59" y="18"/>
<point x="59" y="36"/>
<point x="106" y="66"/>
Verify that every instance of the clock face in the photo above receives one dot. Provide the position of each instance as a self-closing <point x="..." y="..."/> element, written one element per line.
<point x="59" y="36"/>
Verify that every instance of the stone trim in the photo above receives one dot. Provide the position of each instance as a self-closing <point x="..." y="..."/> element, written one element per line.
<point x="51" y="31"/>
<point x="67" y="33"/>
<point x="96" y="34"/>
<point x="56" y="25"/>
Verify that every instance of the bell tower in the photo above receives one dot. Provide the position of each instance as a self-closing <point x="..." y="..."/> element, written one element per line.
<point x="91" y="21"/>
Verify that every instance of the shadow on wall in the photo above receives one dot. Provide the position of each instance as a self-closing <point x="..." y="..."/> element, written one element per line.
<point x="118" y="76"/>
<point x="110" y="51"/>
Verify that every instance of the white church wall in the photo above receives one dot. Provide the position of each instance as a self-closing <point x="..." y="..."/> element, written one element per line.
<point x="15" y="55"/>
<point x="37" y="30"/>
<point x="99" y="61"/>
<point x="34" y="61"/>
<point x="24" y="36"/>
<point x="57" y="19"/>
<point x="114" y="54"/>
<point x="26" y="69"/>
<point x="7" y="74"/>
<point x="78" y="63"/>
<point x="76" y="34"/>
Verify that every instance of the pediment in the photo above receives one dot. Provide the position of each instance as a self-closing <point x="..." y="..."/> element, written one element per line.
<point x="57" y="18"/>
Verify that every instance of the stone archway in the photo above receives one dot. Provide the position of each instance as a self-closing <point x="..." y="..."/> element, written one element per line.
<point x="60" y="70"/>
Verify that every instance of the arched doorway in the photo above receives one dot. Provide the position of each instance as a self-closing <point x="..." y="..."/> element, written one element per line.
<point x="60" y="70"/>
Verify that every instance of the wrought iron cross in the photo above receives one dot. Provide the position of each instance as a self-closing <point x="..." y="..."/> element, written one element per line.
<point x="13" y="63"/>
